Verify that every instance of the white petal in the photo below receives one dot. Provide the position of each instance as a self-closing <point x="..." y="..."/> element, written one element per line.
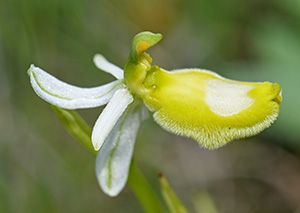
<point x="110" y="115"/>
<point x="66" y="96"/>
<point x="106" y="66"/>
<point x="114" y="158"/>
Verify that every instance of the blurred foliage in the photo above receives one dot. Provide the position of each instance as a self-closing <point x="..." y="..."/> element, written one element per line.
<point x="42" y="169"/>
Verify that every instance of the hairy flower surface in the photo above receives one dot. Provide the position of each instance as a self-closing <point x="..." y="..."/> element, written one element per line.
<point x="194" y="103"/>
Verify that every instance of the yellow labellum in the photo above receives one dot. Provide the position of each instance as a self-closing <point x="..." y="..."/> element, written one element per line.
<point x="209" y="108"/>
<point x="198" y="103"/>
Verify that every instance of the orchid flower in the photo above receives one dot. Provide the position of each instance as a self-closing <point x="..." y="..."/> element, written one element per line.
<point x="194" y="103"/>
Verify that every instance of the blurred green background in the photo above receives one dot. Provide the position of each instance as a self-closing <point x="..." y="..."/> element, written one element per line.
<point x="43" y="169"/>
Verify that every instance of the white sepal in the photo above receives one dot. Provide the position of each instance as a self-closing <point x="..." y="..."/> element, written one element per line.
<point x="114" y="158"/>
<point x="109" y="116"/>
<point x="108" y="67"/>
<point x="67" y="96"/>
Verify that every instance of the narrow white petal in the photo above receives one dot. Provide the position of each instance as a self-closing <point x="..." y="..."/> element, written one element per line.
<point x="66" y="96"/>
<point x="110" y="115"/>
<point x="114" y="158"/>
<point x="106" y="66"/>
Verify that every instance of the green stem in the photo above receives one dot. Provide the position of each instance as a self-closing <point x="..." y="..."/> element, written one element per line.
<point x="76" y="127"/>
<point x="79" y="129"/>
<point x="143" y="190"/>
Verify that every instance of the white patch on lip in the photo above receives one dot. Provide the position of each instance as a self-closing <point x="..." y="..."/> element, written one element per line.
<point x="226" y="98"/>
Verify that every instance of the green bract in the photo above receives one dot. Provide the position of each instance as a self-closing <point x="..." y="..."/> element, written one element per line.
<point x="194" y="103"/>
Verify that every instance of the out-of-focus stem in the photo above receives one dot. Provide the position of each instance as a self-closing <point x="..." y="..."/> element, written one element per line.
<point x="76" y="127"/>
